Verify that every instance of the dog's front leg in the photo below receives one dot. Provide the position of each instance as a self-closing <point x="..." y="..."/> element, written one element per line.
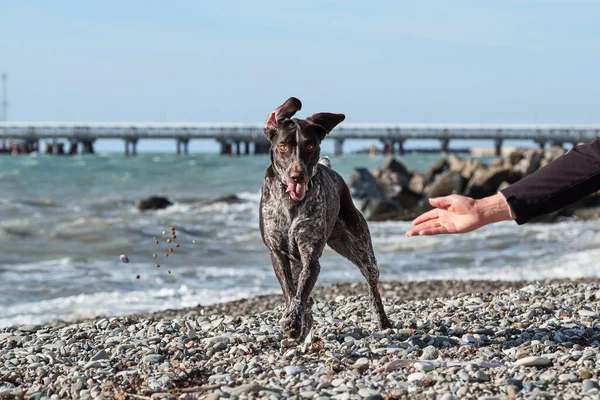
<point x="297" y="320"/>
<point x="283" y="272"/>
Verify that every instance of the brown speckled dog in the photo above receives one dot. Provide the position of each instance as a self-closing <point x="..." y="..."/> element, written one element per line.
<point x="305" y="205"/>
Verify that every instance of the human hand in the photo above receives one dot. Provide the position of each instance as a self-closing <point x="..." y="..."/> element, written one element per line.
<point x="459" y="214"/>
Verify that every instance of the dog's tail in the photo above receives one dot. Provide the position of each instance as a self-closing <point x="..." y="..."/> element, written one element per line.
<point x="325" y="161"/>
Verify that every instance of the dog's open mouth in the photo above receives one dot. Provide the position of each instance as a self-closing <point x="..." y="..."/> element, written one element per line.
<point x="297" y="191"/>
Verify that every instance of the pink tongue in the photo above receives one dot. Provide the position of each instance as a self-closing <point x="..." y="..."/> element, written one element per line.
<point x="296" y="190"/>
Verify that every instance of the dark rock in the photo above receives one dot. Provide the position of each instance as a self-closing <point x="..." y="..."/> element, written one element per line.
<point x="486" y="182"/>
<point x="374" y="208"/>
<point x="363" y="185"/>
<point x="407" y="198"/>
<point x="450" y="182"/>
<point x="393" y="177"/>
<point x="154" y="203"/>
<point x="228" y="198"/>
<point x="417" y="183"/>
<point x="437" y="168"/>
<point x="514" y="157"/>
<point x="467" y="168"/>
<point x="530" y="162"/>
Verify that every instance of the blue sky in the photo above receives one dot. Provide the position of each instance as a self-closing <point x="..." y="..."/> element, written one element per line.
<point x="234" y="61"/>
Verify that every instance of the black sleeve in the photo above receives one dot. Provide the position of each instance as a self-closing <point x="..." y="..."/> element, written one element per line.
<point x="564" y="181"/>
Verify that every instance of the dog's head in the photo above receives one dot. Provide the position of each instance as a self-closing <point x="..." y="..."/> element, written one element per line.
<point x="295" y="144"/>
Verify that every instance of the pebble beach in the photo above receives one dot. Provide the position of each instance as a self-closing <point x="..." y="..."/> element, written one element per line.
<point x="451" y="340"/>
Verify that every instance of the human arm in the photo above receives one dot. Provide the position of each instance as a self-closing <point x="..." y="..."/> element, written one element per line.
<point x="564" y="181"/>
<point x="568" y="179"/>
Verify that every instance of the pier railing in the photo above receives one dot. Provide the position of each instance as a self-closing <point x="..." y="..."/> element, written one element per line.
<point x="229" y="134"/>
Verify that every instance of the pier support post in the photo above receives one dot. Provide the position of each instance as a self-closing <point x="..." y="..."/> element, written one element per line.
<point x="87" y="146"/>
<point x="445" y="145"/>
<point x="185" y="142"/>
<point x="497" y="147"/>
<point x="238" y="148"/>
<point x="401" y="147"/>
<point x="73" y="147"/>
<point x="133" y="143"/>
<point x="338" y="147"/>
<point x="49" y="148"/>
<point x="246" y="148"/>
<point x="388" y="147"/>
<point x="262" y="147"/>
<point x="225" y="148"/>
<point x="59" y="148"/>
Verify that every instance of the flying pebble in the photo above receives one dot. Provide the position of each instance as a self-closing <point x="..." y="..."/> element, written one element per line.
<point x="169" y="271"/>
<point x="137" y="277"/>
<point x="124" y="258"/>
<point x="166" y="254"/>
<point x="193" y="241"/>
<point x="157" y="265"/>
<point x="153" y="255"/>
<point x="170" y="249"/>
<point x="176" y="244"/>
<point x="169" y="240"/>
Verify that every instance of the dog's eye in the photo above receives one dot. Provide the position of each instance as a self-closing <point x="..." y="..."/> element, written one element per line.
<point x="310" y="147"/>
<point x="283" y="148"/>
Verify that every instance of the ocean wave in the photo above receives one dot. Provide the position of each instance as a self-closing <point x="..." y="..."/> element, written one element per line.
<point x="110" y="303"/>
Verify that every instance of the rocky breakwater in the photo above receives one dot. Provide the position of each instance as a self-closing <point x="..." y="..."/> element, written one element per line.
<point x="394" y="192"/>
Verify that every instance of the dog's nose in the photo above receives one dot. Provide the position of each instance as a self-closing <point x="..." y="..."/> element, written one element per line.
<point x="297" y="177"/>
<point x="297" y="173"/>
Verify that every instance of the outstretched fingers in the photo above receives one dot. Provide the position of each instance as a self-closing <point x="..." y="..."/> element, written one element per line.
<point x="429" y="215"/>
<point x="441" y="202"/>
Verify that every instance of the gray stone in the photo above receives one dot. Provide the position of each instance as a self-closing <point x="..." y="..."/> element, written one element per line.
<point x="152" y="359"/>
<point x="293" y="370"/>
<point x="533" y="361"/>
<point x="430" y="353"/>
<point x="588" y="385"/>
<point x="101" y="355"/>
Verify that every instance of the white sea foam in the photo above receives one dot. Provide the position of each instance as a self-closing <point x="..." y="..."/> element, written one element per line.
<point x="111" y="303"/>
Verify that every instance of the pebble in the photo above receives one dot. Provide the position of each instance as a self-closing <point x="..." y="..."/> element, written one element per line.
<point x="589" y="385"/>
<point x="293" y="370"/>
<point x="567" y="378"/>
<point x="533" y="361"/>
<point x="124" y="258"/>
<point x="424" y="366"/>
<point x="430" y="353"/>
<point x="478" y="344"/>
<point x="415" y="376"/>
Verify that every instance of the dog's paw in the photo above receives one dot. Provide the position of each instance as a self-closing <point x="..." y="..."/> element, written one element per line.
<point x="291" y="324"/>
<point x="307" y="321"/>
<point x="384" y="322"/>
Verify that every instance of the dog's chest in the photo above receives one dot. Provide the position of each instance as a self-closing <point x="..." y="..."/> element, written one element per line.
<point x="284" y="220"/>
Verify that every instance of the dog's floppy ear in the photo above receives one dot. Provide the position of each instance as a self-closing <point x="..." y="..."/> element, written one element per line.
<point x="327" y="121"/>
<point x="284" y="111"/>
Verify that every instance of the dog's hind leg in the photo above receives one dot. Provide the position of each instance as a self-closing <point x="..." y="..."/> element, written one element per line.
<point x="359" y="250"/>
<point x="351" y="238"/>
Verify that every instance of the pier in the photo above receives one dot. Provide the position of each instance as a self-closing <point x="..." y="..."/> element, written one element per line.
<point x="239" y="138"/>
